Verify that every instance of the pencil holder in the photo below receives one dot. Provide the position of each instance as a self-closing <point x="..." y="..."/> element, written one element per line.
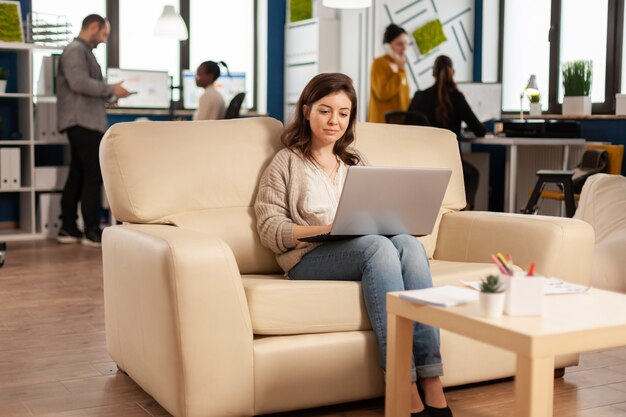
<point x="524" y="294"/>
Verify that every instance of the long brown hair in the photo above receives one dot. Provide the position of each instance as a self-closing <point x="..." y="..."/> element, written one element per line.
<point x="445" y="85"/>
<point x="297" y="134"/>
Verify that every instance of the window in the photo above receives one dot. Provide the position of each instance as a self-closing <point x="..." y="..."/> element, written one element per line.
<point x="566" y="30"/>
<point x="623" y="58"/>
<point x="526" y="51"/>
<point x="491" y="21"/>
<point x="140" y="48"/>
<point x="224" y="32"/>
<point x="75" y="12"/>
<point x="583" y="30"/>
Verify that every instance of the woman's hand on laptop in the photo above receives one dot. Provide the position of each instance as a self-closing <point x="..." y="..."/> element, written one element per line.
<point x="302" y="231"/>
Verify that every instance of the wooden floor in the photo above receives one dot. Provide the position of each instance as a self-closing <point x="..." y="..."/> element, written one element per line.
<point x="53" y="359"/>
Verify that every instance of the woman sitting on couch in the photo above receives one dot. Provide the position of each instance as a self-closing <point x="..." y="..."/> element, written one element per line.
<point x="298" y="196"/>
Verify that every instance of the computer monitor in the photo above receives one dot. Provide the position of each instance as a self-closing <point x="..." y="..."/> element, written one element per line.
<point x="229" y="85"/>
<point x="485" y="99"/>
<point x="151" y="89"/>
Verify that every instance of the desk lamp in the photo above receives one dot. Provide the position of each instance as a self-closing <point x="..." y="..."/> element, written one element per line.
<point x="530" y="90"/>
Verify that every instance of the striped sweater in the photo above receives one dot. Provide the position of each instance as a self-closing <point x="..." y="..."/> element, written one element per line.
<point x="280" y="205"/>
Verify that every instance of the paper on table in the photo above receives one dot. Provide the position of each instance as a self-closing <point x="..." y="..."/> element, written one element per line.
<point x="444" y="296"/>
<point x="551" y="286"/>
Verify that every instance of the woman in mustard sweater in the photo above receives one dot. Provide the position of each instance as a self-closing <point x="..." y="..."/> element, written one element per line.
<point x="389" y="87"/>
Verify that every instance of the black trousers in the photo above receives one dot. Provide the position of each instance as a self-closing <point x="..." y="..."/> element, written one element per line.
<point x="470" y="180"/>
<point x="84" y="180"/>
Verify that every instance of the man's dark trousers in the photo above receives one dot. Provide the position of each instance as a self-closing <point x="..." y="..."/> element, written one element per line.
<point x="84" y="180"/>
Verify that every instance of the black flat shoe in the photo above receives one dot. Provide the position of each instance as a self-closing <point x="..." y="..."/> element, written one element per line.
<point x="438" y="412"/>
<point x="423" y="413"/>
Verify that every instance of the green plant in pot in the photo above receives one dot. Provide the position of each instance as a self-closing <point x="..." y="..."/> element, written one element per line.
<point x="577" y="78"/>
<point x="491" y="285"/>
<point x="492" y="296"/>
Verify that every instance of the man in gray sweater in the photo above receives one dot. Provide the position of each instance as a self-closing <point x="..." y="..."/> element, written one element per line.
<point x="82" y="95"/>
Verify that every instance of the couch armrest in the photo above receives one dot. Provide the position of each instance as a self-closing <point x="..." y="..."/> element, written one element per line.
<point x="560" y="247"/>
<point x="177" y="320"/>
<point x="609" y="262"/>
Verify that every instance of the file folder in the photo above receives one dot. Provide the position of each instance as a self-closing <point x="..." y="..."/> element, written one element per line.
<point x="49" y="213"/>
<point x="10" y="168"/>
<point x="5" y="168"/>
<point x="42" y="122"/>
<point x="15" y="178"/>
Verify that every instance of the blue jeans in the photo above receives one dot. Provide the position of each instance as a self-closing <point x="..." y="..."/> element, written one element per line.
<point x="382" y="265"/>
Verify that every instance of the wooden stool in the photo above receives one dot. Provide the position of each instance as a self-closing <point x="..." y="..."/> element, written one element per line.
<point x="546" y="176"/>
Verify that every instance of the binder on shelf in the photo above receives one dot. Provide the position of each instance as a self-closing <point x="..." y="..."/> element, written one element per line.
<point x="10" y="168"/>
<point x="41" y="122"/>
<point x="5" y="169"/>
<point x="46" y="123"/>
<point x="16" y="168"/>
<point x="51" y="178"/>
<point x="53" y="129"/>
<point x="49" y="213"/>
<point x="46" y="84"/>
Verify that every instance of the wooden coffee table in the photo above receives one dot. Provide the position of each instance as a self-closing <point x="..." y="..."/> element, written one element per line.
<point x="570" y="324"/>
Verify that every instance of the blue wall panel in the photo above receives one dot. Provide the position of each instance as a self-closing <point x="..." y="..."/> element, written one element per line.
<point x="276" y="14"/>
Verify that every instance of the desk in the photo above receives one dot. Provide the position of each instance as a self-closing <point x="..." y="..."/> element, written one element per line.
<point x="570" y="324"/>
<point x="511" y="158"/>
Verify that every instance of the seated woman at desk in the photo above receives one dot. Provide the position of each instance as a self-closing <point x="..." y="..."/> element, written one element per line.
<point x="211" y="105"/>
<point x="298" y="196"/>
<point x="446" y="107"/>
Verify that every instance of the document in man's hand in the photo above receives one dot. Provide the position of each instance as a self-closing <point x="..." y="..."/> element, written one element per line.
<point x="444" y="296"/>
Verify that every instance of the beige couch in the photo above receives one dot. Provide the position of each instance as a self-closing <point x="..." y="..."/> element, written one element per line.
<point x="197" y="311"/>
<point x="603" y="205"/>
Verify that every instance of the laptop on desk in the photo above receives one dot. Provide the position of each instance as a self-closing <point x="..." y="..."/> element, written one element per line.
<point x="387" y="201"/>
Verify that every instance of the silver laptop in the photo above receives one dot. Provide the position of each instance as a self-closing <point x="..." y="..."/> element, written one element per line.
<point x="387" y="201"/>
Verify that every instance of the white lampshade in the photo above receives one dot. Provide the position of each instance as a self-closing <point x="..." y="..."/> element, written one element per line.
<point x="171" y="25"/>
<point x="347" y="4"/>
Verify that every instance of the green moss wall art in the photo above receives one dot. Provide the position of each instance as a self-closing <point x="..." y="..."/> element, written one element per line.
<point x="300" y="10"/>
<point x="10" y="22"/>
<point x="429" y="36"/>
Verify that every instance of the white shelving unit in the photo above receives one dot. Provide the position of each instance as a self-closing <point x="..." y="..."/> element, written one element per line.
<point x="311" y="47"/>
<point x="23" y="99"/>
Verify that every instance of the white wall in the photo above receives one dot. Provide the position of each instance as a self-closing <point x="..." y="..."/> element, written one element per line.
<point x="362" y="32"/>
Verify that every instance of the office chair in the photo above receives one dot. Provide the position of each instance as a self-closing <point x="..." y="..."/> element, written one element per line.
<point x="570" y="192"/>
<point x="413" y="118"/>
<point x="235" y="106"/>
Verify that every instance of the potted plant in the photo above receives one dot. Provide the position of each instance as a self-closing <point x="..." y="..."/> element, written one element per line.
<point x="577" y="76"/>
<point x="535" y="104"/>
<point x="3" y="80"/>
<point x="491" y="297"/>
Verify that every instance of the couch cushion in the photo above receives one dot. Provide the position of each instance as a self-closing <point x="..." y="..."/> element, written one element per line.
<point x="282" y="306"/>
<point x="152" y="170"/>
<point x="237" y="227"/>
